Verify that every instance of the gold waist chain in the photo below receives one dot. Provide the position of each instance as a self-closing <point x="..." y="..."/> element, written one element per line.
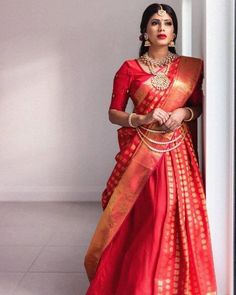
<point x="145" y="139"/>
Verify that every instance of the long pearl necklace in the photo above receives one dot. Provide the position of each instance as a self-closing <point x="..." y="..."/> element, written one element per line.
<point x="160" y="80"/>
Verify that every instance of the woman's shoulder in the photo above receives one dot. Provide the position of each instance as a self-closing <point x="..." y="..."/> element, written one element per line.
<point x="128" y="66"/>
<point x="129" y="63"/>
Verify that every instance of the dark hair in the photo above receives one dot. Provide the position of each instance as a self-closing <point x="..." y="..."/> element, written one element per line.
<point x="147" y="14"/>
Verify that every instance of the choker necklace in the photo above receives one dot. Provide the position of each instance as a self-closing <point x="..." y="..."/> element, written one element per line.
<point x="160" y="80"/>
<point x="147" y="60"/>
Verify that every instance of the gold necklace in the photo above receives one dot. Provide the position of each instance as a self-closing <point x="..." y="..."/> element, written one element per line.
<point x="160" y="80"/>
<point x="147" y="60"/>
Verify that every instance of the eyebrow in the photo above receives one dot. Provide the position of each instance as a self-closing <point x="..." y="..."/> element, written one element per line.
<point x="168" y="19"/>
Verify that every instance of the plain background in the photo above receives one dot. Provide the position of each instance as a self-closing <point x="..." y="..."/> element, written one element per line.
<point x="58" y="60"/>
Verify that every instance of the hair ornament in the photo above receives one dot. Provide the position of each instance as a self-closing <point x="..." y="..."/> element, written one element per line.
<point x="161" y="11"/>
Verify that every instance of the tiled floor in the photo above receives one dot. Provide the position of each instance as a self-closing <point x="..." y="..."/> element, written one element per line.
<point x="42" y="247"/>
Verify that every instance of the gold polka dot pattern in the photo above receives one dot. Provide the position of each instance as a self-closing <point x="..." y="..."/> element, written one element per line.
<point x="185" y="265"/>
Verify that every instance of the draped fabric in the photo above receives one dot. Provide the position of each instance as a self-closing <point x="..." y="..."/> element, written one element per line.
<point x="153" y="236"/>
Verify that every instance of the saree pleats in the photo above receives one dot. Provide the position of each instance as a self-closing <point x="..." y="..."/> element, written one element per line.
<point x="186" y="264"/>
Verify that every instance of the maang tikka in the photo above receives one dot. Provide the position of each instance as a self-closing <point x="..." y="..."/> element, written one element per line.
<point x="161" y="11"/>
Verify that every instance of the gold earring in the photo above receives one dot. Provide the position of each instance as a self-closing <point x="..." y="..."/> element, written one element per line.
<point x="171" y="44"/>
<point x="147" y="42"/>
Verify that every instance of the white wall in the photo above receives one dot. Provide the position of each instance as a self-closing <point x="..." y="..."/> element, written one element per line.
<point x="57" y="64"/>
<point x="218" y="136"/>
<point x="212" y="39"/>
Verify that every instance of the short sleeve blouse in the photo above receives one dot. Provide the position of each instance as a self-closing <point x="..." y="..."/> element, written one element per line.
<point x="121" y="85"/>
<point x="121" y="88"/>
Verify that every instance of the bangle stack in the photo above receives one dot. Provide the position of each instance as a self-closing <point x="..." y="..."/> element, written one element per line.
<point x="192" y="114"/>
<point x="129" y="120"/>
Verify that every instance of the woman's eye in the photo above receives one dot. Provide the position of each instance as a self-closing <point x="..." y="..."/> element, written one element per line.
<point x="158" y="23"/>
<point x="154" y="22"/>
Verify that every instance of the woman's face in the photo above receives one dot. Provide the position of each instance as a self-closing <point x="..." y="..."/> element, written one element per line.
<point x="160" y="30"/>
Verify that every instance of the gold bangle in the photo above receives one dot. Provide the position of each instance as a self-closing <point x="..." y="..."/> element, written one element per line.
<point x="192" y="114"/>
<point x="129" y="120"/>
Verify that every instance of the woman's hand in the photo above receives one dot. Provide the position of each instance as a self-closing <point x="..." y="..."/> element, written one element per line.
<point x="176" y="118"/>
<point x="157" y="115"/>
<point x="166" y="120"/>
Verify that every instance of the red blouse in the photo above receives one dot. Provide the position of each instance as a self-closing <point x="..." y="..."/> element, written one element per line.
<point x="130" y="75"/>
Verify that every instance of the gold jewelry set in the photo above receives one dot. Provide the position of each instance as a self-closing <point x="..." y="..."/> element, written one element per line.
<point x="160" y="80"/>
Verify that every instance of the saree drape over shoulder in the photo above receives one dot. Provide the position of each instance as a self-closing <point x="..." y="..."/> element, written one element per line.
<point x="153" y="236"/>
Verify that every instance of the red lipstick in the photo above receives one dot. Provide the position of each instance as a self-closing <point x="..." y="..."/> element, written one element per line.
<point x="161" y="36"/>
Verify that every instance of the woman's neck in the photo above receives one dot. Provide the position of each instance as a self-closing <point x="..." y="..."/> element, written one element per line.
<point x="157" y="53"/>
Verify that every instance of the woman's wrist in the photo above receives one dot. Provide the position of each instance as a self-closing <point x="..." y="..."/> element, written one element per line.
<point x="189" y="114"/>
<point x="135" y="120"/>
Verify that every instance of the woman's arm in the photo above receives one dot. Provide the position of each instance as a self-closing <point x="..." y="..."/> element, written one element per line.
<point x="182" y="114"/>
<point x="122" y="118"/>
<point x="119" y="99"/>
<point x="197" y="111"/>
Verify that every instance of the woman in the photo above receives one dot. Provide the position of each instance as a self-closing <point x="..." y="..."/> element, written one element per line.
<point x="153" y="235"/>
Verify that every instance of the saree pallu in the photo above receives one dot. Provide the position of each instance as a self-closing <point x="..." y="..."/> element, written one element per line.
<point x="153" y="236"/>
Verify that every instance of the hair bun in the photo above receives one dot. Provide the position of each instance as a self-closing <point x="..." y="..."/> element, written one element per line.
<point x="141" y="38"/>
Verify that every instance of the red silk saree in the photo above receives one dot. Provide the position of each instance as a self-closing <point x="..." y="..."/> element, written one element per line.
<point x="153" y="236"/>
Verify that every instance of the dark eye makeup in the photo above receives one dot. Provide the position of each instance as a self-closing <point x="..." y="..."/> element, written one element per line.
<point x="157" y="21"/>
